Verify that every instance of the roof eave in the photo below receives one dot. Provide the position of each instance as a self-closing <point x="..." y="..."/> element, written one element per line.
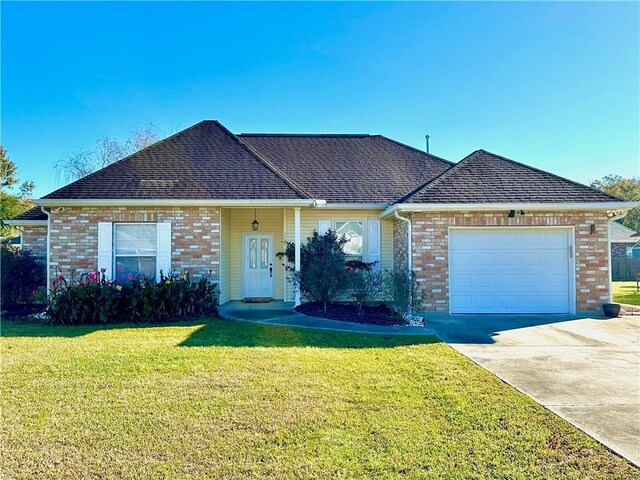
<point x="452" y="207"/>
<point x="25" y="223"/>
<point x="172" y="202"/>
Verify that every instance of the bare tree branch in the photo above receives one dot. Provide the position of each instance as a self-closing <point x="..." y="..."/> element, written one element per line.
<point x="107" y="150"/>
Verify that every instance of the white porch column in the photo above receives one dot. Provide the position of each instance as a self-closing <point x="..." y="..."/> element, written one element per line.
<point x="296" y="240"/>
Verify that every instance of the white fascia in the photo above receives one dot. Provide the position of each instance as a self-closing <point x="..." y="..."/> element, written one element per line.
<point x="467" y="207"/>
<point x="25" y="223"/>
<point x="168" y="202"/>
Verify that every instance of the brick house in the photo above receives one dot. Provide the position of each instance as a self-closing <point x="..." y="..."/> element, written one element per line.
<point x="486" y="234"/>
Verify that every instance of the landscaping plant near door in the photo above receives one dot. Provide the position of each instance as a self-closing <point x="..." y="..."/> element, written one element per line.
<point x="324" y="274"/>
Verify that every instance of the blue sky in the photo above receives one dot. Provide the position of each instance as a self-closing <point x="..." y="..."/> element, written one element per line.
<point x="554" y="85"/>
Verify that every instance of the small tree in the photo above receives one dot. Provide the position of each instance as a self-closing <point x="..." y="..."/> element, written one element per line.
<point x="402" y="290"/>
<point x="323" y="274"/>
<point x="365" y="286"/>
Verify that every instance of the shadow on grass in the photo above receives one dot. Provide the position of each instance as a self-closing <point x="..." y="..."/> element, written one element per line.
<point x="242" y="334"/>
<point x="225" y="333"/>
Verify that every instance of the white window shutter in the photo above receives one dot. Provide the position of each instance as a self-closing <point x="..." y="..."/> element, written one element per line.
<point x="163" y="259"/>
<point x="323" y="226"/>
<point x="373" y="242"/>
<point x="105" y="248"/>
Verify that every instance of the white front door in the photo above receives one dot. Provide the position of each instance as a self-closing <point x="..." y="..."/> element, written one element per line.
<point x="510" y="270"/>
<point x="258" y="265"/>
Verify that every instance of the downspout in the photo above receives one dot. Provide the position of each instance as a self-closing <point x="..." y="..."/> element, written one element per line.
<point x="48" y="214"/>
<point x="613" y="218"/>
<point x="408" y="222"/>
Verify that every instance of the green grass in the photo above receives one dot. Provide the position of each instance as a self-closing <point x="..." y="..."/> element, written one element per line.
<point x="626" y="292"/>
<point x="217" y="399"/>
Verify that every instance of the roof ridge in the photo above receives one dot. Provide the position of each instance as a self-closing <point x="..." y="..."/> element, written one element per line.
<point x="438" y="179"/>
<point x="573" y="182"/>
<point x="266" y="163"/>
<point x="415" y="149"/>
<point x="348" y="135"/>
<point x="131" y="155"/>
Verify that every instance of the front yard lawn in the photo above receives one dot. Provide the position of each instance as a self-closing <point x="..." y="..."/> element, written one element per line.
<point x="217" y="399"/>
<point x="626" y="292"/>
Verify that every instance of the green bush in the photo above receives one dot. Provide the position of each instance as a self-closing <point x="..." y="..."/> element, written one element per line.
<point x="94" y="299"/>
<point x="404" y="296"/>
<point x="325" y="272"/>
<point x="22" y="275"/>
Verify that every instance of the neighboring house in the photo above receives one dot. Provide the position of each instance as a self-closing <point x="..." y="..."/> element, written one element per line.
<point x="484" y="235"/>
<point x="623" y="241"/>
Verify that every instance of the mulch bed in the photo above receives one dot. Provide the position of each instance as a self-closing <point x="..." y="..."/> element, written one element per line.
<point x="378" y="315"/>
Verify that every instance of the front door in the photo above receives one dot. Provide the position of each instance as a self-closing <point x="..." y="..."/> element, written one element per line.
<point x="258" y="266"/>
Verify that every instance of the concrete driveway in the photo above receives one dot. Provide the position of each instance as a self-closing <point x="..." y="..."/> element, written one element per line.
<point x="586" y="370"/>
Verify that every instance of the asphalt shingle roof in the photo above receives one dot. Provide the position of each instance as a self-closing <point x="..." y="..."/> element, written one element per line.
<point x="622" y="234"/>
<point x="205" y="161"/>
<point x="485" y="177"/>
<point x="32" y="214"/>
<point x="348" y="168"/>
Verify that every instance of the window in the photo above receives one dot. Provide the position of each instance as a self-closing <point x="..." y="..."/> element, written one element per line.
<point x="353" y="231"/>
<point x="135" y="250"/>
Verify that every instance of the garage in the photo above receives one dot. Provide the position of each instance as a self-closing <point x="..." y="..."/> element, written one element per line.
<point x="511" y="270"/>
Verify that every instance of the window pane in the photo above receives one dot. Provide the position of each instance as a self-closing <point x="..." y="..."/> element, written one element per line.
<point x="129" y="268"/>
<point x="264" y="253"/>
<point x="132" y="239"/>
<point x="353" y="231"/>
<point x="253" y="253"/>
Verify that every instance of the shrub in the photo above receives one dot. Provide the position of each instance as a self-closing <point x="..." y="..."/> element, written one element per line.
<point x="323" y="275"/>
<point x="22" y="275"/>
<point x="365" y="285"/>
<point x="404" y="296"/>
<point x="94" y="299"/>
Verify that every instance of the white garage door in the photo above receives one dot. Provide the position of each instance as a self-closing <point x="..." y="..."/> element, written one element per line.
<point x="509" y="270"/>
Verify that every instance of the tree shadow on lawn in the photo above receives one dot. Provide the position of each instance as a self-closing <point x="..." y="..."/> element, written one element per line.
<point x="217" y="333"/>
<point x="212" y="332"/>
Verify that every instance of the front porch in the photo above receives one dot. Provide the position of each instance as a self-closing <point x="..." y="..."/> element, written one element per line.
<point x="249" y="266"/>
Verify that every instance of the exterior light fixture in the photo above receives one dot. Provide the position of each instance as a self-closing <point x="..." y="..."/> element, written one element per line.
<point x="255" y="223"/>
<point x="512" y="213"/>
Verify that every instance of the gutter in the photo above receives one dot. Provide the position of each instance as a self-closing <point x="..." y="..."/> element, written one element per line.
<point x="449" y="207"/>
<point x="18" y="223"/>
<point x="48" y="221"/>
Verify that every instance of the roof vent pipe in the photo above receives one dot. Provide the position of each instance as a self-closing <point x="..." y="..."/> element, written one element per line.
<point x="427" y="137"/>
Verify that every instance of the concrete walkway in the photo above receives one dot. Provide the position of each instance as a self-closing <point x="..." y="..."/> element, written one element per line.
<point x="280" y="313"/>
<point x="586" y="370"/>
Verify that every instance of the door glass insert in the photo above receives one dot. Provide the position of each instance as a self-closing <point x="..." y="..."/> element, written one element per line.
<point x="253" y="253"/>
<point x="264" y="253"/>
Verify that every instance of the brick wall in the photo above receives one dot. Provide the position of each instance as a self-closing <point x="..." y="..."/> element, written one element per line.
<point x="430" y="250"/>
<point x="195" y="232"/>
<point x="35" y="239"/>
<point x="400" y="246"/>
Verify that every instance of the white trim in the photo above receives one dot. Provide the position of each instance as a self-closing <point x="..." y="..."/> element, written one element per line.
<point x="284" y="259"/>
<point x="296" y="240"/>
<point x="356" y="206"/>
<point x="48" y="214"/>
<point x="152" y="202"/>
<point x="34" y="223"/>
<point x="571" y="241"/>
<point x="449" y="207"/>
<point x="271" y="257"/>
